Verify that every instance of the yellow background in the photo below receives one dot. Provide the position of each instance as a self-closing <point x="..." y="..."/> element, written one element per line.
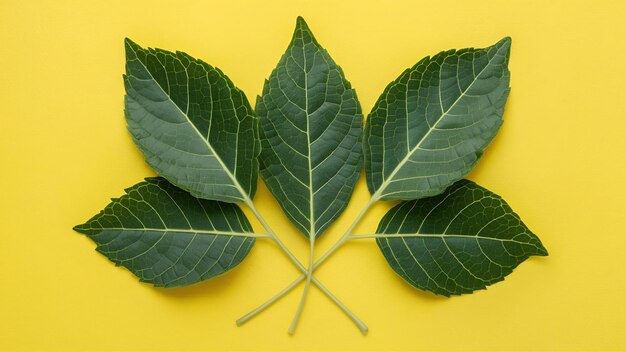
<point x="559" y="161"/>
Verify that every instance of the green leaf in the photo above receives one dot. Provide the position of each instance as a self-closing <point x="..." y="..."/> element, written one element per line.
<point x="194" y="127"/>
<point x="310" y="129"/>
<point x="430" y="126"/>
<point x="462" y="240"/>
<point x="169" y="238"/>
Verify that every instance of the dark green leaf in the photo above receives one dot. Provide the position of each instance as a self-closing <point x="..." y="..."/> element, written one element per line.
<point x="431" y="124"/>
<point x="310" y="129"/>
<point x="194" y="127"/>
<point x="462" y="240"/>
<point x="169" y="238"/>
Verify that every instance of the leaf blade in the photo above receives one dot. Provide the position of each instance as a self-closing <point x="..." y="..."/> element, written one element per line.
<point x="430" y="125"/>
<point x="192" y="124"/>
<point x="310" y="130"/>
<point x="169" y="238"/>
<point x="459" y="241"/>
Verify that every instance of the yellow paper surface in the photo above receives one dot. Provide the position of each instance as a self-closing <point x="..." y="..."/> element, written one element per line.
<point x="559" y="160"/>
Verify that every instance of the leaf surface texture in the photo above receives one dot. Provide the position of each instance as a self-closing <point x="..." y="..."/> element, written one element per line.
<point x="462" y="240"/>
<point x="192" y="124"/>
<point x="169" y="238"/>
<point x="310" y="133"/>
<point x="430" y="125"/>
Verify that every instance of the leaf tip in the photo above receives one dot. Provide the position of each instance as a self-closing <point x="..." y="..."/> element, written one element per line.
<point x="128" y="41"/>
<point x="504" y="43"/>
<point x="542" y="251"/>
<point x="302" y="26"/>
<point x="80" y="228"/>
<point x="130" y="45"/>
<point x="301" y="23"/>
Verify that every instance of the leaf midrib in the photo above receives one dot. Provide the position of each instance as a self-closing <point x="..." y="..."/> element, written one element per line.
<point x="378" y="194"/>
<point x="312" y="234"/>
<point x="190" y="231"/>
<point x="435" y="235"/>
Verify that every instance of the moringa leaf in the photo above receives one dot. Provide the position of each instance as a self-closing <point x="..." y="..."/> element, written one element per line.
<point x="310" y="129"/>
<point x="167" y="237"/>
<point x="462" y="240"/>
<point x="194" y="127"/>
<point x="430" y="126"/>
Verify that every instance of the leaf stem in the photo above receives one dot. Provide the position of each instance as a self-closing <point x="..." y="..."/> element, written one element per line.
<point x="307" y="285"/>
<point x="398" y="235"/>
<point x="346" y="236"/>
<point x="268" y="303"/>
<point x="357" y="321"/>
<point x="272" y="235"/>
<point x="366" y="236"/>
<point x="255" y="235"/>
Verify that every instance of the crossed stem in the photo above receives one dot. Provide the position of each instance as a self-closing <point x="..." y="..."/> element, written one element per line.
<point x="307" y="274"/>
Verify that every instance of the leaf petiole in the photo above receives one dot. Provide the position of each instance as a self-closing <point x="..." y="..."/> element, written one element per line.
<point x="346" y="236"/>
<point x="272" y="235"/>
<point x="358" y="322"/>
<point x="307" y="285"/>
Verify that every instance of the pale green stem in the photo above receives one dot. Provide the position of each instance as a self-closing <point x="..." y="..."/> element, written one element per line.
<point x="358" y="322"/>
<point x="255" y="235"/>
<point x="307" y="285"/>
<point x="272" y="235"/>
<point x="365" y="236"/>
<point x="346" y="236"/>
<point x="392" y="235"/>
<point x="268" y="303"/>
